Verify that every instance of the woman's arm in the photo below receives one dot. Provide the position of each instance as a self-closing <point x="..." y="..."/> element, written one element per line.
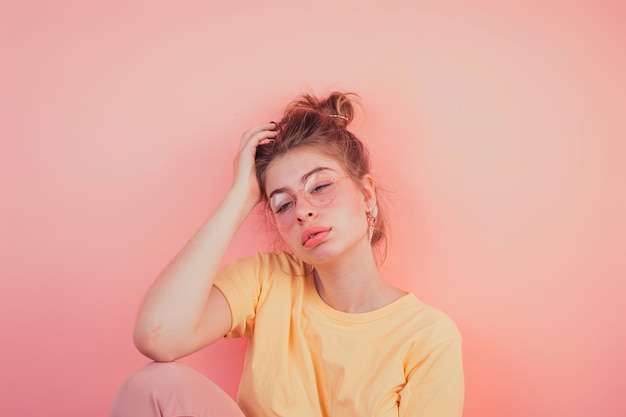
<point x="181" y="312"/>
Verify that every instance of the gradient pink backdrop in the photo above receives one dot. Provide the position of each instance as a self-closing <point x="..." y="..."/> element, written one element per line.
<point x="500" y="131"/>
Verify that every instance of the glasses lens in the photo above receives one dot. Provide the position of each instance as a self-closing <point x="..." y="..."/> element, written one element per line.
<point x="280" y="209"/>
<point x="321" y="189"/>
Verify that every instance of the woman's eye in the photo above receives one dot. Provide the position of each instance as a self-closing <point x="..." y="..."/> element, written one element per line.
<point x="320" y="187"/>
<point x="281" y="202"/>
<point x="283" y="207"/>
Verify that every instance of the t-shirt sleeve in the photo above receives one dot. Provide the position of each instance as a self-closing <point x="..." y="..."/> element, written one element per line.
<point x="240" y="281"/>
<point x="435" y="386"/>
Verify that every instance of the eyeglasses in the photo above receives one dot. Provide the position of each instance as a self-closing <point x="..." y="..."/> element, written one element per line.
<point x="320" y="189"/>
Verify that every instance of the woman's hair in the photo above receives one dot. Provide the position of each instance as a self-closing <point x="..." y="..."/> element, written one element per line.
<point x="321" y="124"/>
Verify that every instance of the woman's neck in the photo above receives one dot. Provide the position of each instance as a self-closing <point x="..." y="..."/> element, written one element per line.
<point x="354" y="287"/>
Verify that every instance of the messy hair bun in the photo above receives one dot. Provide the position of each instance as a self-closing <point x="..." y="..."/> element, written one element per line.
<point x="320" y="124"/>
<point x="337" y="107"/>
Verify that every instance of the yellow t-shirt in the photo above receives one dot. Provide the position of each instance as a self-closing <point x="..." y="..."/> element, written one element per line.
<point x="305" y="358"/>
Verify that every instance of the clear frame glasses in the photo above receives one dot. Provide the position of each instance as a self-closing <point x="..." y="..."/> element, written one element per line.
<point x="320" y="189"/>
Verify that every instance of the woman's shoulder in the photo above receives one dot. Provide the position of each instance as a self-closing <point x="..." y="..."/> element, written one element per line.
<point x="427" y="320"/>
<point x="269" y="259"/>
<point x="268" y="264"/>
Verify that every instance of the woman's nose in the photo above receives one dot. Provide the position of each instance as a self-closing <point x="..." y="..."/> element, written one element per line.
<point x="304" y="210"/>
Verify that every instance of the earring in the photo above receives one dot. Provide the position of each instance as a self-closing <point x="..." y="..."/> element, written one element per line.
<point x="371" y="220"/>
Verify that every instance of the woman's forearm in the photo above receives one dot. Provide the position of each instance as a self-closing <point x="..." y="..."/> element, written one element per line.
<point x="173" y="307"/>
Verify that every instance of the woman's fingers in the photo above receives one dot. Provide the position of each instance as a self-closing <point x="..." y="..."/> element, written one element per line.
<point x="244" y="161"/>
<point x="258" y="134"/>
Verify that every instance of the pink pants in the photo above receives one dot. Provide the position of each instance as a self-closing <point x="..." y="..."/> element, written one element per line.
<point x="172" y="390"/>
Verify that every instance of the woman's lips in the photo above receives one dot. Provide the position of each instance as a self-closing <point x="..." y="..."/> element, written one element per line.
<point x="314" y="235"/>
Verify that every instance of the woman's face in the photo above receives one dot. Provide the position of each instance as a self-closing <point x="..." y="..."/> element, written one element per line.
<point x="314" y="229"/>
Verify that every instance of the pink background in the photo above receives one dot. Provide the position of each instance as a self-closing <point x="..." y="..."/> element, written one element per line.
<point x="499" y="130"/>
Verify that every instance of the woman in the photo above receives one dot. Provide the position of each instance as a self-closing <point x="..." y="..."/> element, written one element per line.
<point x="327" y="335"/>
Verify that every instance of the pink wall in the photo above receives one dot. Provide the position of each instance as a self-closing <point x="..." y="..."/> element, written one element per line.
<point x="499" y="129"/>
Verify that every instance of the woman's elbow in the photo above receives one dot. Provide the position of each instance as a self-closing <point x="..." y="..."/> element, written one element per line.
<point x="150" y="344"/>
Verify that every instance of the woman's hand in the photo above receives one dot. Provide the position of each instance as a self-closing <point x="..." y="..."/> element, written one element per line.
<point x="244" y="169"/>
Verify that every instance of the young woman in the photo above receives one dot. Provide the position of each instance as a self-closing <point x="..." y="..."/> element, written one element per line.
<point x="327" y="335"/>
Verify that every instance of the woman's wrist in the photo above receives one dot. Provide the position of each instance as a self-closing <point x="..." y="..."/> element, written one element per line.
<point x="241" y="197"/>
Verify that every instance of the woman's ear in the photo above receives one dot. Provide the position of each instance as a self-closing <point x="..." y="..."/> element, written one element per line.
<point x="369" y="189"/>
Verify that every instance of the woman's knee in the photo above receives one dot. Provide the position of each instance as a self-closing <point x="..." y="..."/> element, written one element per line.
<point x="172" y="387"/>
<point x="155" y="375"/>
